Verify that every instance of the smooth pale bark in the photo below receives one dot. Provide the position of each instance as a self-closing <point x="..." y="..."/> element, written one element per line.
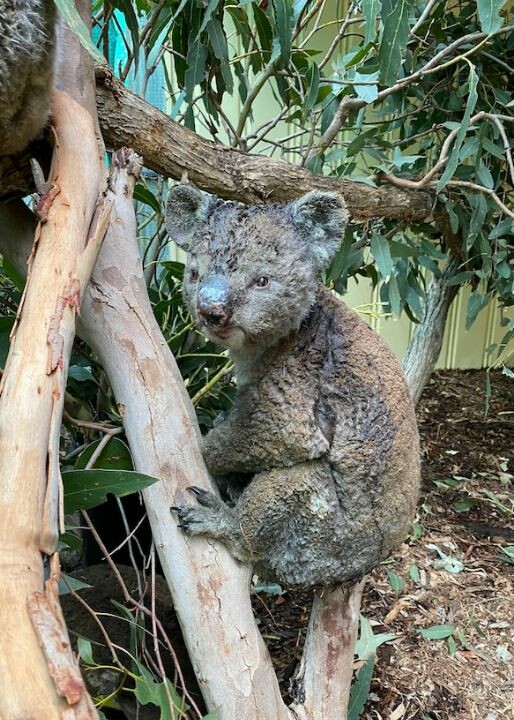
<point x="210" y="590"/>
<point x="427" y="339"/>
<point x="40" y="678"/>
<point x="322" y="686"/>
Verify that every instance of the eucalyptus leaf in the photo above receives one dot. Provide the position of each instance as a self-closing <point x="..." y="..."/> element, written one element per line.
<point x="77" y="25"/>
<point x="489" y="14"/>
<point x="453" y="160"/>
<point x="437" y="632"/>
<point x="195" y="71"/>
<point x="370" y="10"/>
<point x="84" y="489"/>
<point x="283" y="17"/>
<point x="360" y="689"/>
<point x="394" y="40"/>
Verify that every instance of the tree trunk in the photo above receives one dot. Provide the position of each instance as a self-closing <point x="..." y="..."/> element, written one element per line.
<point x="427" y="339"/>
<point x="210" y="590"/>
<point x="40" y="678"/>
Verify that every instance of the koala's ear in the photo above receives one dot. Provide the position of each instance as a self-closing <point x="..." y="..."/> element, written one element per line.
<point x="321" y="217"/>
<point x="186" y="210"/>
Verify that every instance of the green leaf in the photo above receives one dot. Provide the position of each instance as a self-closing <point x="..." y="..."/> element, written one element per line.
<point x="68" y="583"/>
<point x="195" y="61"/>
<point x="312" y="81"/>
<point x="360" y="689"/>
<point x="84" y="489"/>
<point x="263" y="26"/>
<point x="394" y="40"/>
<point x="394" y="296"/>
<point x="396" y="582"/>
<point x="114" y="456"/>
<point x="463" y="505"/>
<point x="142" y="194"/>
<point x="218" y="41"/>
<point x="489" y="14"/>
<point x="211" y="7"/>
<point x="283" y="16"/>
<point x="368" y="642"/>
<point x="452" y="645"/>
<point x="460" y="278"/>
<point x="484" y="175"/>
<point x="370" y="10"/>
<point x="414" y="573"/>
<point x="382" y="255"/>
<point x="85" y="651"/>
<point x="437" y="632"/>
<point x="453" y="160"/>
<point x="77" y="25"/>
<point x="476" y="302"/>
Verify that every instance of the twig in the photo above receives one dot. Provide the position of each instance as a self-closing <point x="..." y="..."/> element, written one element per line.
<point x="347" y="105"/>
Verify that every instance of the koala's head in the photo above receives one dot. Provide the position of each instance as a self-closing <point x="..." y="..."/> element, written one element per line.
<point x="251" y="274"/>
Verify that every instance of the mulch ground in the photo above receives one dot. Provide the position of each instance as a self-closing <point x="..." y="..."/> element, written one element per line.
<point x="454" y="571"/>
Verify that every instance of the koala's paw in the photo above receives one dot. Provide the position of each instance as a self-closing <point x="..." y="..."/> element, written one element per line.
<point x="211" y="517"/>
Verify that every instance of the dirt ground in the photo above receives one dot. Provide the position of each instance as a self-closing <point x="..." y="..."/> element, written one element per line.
<point x="454" y="571"/>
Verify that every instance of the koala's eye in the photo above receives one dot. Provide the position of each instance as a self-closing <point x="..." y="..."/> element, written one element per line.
<point x="261" y="282"/>
<point x="193" y="275"/>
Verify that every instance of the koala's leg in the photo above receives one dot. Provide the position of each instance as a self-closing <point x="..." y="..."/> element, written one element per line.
<point x="287" y="523"/>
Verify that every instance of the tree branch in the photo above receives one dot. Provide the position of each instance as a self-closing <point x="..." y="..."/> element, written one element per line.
<point x="170" y="149"/>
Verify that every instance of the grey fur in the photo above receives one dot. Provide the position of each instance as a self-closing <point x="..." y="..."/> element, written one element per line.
<point x="27" y="38"/>
<point x="323" y="423"/>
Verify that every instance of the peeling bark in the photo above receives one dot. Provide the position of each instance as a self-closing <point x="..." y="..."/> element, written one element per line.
<point x="33" y="386"/>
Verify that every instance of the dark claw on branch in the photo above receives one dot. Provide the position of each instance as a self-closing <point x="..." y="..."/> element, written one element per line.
<point x="198" y="491"/>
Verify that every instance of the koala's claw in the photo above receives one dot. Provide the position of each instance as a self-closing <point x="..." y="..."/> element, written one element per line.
<point x="204" y="497"/>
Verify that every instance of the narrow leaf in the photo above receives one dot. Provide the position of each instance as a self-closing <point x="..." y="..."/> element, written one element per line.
<point x="489" y="14"/>
<point x="283" y="16"/>
<point x="453" y="160"/>
<point x="195" y="60"/>
<point x="394" y="40"/>
<point x="360" y="689"/>
<point x="437" y="632"/>
<point x="211" y="7"/>
<point x="77" y="25"/>
<point x="312" y="80"/>
<point x="382" y="255"/>
<point x="370" y="10"/>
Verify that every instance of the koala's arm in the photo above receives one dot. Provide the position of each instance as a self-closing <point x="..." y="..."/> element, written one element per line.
<point x="259" y="434"/>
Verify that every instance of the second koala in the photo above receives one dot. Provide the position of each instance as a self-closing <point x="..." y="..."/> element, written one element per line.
<point x="323" y="424"/>
<point x="27" y="37"/>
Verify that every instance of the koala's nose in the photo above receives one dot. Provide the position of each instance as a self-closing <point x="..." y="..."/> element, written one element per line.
<point x="215" y="315"/>
<point x="212" y="302"/>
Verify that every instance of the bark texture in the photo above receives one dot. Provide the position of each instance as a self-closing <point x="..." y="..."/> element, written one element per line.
<point x="210" y="590"/>
<point x="170" y="149"/>
<point x="41" y="679"/>
<point x="427" y="339"/>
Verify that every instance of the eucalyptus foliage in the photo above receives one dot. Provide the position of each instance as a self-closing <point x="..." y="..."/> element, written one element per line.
<point x="417" y="94"/>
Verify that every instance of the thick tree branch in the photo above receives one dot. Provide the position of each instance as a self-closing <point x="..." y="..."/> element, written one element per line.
<point x="170" y="149"/>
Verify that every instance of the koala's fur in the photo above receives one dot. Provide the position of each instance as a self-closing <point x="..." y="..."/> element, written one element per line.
<point x="27" y="37"/>
<point x="323" y="423"/>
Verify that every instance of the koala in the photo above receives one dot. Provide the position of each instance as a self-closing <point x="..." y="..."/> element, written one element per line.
<point x="27" y="38"/>
<point x="323" y="425"/>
